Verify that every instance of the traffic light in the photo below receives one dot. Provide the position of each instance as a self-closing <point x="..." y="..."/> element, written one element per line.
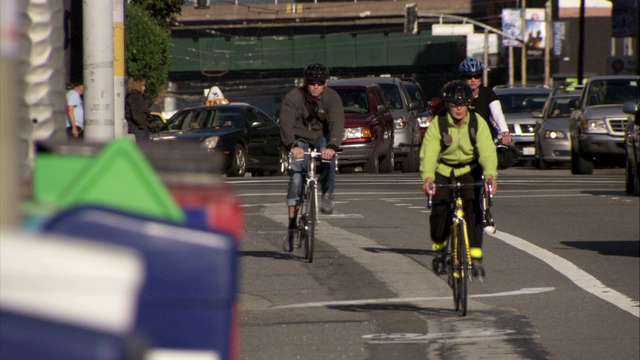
<point x="411" y="19"/>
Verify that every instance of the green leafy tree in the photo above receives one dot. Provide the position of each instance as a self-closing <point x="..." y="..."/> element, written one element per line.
<point x="163" y="11"/>
<point x="146" y="49"/>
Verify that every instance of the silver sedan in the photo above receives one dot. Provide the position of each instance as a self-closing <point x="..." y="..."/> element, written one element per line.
<point x="552" y="142"/>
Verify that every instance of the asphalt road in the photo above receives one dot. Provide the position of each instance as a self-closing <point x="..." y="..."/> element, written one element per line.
<point x="562" y="274"/>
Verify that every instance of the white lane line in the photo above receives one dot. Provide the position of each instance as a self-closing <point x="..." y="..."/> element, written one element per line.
<point x="523" y="291"/>
<point x="580" y="277"/>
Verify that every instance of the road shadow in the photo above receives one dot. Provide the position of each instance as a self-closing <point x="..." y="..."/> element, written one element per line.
<point x="399" y="251"/>
<point x="268" y="254"/>
<point x="610" y="192"/>
<point x="394" y="307"/>
<point x="629" y="248"/>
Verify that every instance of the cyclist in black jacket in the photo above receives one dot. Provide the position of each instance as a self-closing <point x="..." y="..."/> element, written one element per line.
<point x="313" y="113"/>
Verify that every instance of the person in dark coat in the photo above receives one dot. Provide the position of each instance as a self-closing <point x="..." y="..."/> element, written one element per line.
<point x="136" y="109"/>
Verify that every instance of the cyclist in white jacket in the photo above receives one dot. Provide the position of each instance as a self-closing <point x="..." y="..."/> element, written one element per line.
<point x="485" y="101"/>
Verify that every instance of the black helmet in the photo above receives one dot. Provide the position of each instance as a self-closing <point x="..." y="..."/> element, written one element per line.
<point x="457" y="92"/>
<point x="471" y="66"/>
<point x="316" y="72"/>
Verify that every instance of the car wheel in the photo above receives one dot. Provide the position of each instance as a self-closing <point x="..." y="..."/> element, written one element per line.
<point x="238" y="162"/>
<point x="388" y="163"/>
<point x="541" y="164"/>
<point x="580" y="165"/>
<point x="632" y="179"/>
<point x="410" y="162"/>
<point x="283" y="163"/>
<point x="372" y="166"/>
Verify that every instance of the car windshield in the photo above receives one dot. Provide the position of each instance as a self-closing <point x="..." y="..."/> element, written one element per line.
<point x="559" y="106"/>
<point x="354" y="100"/>
<point x="392" y="94"/>
<point x="616" y="91"/>
<point x="194" y="119"/>
<point x="517" y="103"/>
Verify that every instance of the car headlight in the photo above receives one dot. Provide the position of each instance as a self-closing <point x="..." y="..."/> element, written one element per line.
<point x="554" y="134"/>
<point x="400" y="123"/>
<point x="210" y="142"/>
<point x="357" y="133"/>
<point x="424" y="121"/>
<point x="594" y="126"/>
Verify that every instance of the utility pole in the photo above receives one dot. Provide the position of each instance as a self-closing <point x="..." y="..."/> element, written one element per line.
<point x="97" y="40"/>
<point x="9" y="119"/>
<point x="581" y="44"/>
<point x="523" y="29"/>
<point x="118" y="68"/>
<point x="547" y="44"/>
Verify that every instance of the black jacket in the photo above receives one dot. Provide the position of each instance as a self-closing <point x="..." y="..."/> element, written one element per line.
<point x="136" y="111"/>
<point x="302" y="117"/>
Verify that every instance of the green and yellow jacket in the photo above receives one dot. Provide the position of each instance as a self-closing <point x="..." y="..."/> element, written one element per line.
<point x="460" y="156"/>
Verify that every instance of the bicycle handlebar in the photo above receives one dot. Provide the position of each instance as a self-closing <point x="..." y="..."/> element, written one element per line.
<point x="459" y="186"/>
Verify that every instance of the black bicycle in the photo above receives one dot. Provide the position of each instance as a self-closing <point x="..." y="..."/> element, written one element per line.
<point x="458" y="266"/>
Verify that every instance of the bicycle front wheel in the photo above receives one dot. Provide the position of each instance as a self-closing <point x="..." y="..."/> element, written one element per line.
<point x="463" y="270"/>
<point x="311" y="224"/>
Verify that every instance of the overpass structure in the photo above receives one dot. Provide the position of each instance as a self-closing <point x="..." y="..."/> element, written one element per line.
<point x="274" y="40"/>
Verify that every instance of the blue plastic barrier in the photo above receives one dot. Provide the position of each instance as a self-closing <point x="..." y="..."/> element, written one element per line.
<point x="31" y="338"/>
<point x="65" y="299"/>
<point x="187" y="300"/>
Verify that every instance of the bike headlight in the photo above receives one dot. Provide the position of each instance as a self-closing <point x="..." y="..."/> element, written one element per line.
<point x="210" y="142"/>
<point x="400" y="123"/>
<point x="554" y="134"/>
<point x="594" y="126"/>
<point x="357" y="133"/>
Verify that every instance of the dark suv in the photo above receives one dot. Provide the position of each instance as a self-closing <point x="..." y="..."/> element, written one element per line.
<point x="406" y="144"/>
<point x="368" y="126"/>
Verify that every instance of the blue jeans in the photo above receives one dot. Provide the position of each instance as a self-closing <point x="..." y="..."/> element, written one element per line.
<point x="297" y="172"/>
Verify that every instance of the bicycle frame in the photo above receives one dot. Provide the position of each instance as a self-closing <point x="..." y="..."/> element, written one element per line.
<point x="308" y="216"/>
<point x="458" y="255"/>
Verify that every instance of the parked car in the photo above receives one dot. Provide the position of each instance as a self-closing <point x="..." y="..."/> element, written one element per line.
<point x="518" y="104"/>
<point x="598" y="125"/>
<point x="417" y="94"/>
<point x="368" y="126"/>
<point x="552" y="141"/>
<point x="248" y="137"/>
<point x="632" y="148"/>
<point x="406" y="143"/>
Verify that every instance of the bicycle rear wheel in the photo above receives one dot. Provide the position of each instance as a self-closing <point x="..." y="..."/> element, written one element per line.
<point x="311" y="224"/>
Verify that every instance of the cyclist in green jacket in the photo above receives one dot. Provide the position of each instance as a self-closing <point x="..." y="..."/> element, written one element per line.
<point x="451" y="156"/>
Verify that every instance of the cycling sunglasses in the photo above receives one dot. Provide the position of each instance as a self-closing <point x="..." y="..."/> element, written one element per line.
<point x="469" y="77"/>
<point x="316" y="82"/>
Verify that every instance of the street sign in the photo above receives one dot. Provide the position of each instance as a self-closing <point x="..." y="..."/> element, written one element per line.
<point x="451" y="29"/>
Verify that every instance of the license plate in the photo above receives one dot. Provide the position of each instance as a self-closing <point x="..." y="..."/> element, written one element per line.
<point x="528" y="151"/>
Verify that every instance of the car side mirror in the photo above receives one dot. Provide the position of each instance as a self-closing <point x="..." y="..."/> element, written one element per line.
<point x="256" y="124"/>
<point x="415" y="105"/>
<point x="381" y="108"/>
<point x="631" y="107"/>
<point x="573" y="104"/>
<point x="154" y="126"/>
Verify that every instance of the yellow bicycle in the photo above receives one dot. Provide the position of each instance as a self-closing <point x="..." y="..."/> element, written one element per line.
<point x="457" y="257"/>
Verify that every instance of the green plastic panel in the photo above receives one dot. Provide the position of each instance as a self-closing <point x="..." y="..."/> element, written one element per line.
<point x="119" y="177"/>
